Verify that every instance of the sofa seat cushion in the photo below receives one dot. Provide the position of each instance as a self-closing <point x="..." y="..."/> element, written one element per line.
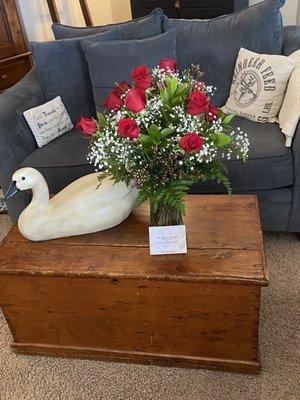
<point x="62" y="161"/>
<point x="269" y="166"/>
<point x="270" y="163"/>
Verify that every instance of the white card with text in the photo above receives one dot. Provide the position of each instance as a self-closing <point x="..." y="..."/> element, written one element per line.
<point x="167" y="239"/>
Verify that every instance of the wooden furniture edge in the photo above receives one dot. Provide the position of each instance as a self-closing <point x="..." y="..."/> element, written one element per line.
<point x="13" y="58"/>
<point x="115" y="277"/>
<point x="262" y="248"/>
<point x="238" y="366"/>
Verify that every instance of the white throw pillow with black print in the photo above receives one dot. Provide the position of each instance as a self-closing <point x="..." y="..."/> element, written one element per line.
<point x="258" y="85"/>
<point x="48" y="121"/>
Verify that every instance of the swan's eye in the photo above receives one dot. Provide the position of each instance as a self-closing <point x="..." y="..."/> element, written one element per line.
<point x="23" y="178"/>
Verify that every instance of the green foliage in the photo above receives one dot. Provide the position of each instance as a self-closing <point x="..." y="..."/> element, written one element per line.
<point x="101" y="120"/>
<point x="171" y="195"/>
<point x="173" y="94"/>
<point x="221" y="139"/>
<point x="228" y="119"/>
<point x="155" y="137"/>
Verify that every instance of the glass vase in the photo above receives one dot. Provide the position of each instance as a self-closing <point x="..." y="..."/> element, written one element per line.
<point x="165" y="215"/>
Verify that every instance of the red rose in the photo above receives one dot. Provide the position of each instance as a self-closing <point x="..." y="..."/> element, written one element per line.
<point x="168" y="64"/>
<point x="197" y="103"/>
<point x="128" y="128"/>
<point x="135" y="100"/>
<point x="121" y="88"/>
<point x="191" y="142"/>
<point x="113" y="101"/>
<point x="212" y="113"/>
<point x="142" y="78"/>
<point x="87" y="126"/>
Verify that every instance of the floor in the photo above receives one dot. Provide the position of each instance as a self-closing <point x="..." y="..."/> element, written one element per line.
<point x="38" y="378"/>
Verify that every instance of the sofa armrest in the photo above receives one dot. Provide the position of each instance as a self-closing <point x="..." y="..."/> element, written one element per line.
<point x="16" y="139"/>
<point x="291" y="39"/>
<point x="294" y="220"/>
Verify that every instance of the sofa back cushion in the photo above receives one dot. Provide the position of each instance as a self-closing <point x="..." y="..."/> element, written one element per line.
<point x="114" y="61"/>
<point x="63" y="71"/>
<point x="214" y="44"/>
<point x="140" y="28"/>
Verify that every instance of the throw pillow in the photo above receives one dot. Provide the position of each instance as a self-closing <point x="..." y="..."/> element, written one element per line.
<point x="214" y="44"/>
<point x="258" y="85"/>
<point x="139" y="28"/>
<point x="63" y="71"/>
<point x="113" y="62"/>
<point x="48" y="121"/>
<point x="289" y="114"/>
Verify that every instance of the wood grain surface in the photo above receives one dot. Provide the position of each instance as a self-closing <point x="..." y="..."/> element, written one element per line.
<point x="102" y="296"/>
<point x="224" y="242"/>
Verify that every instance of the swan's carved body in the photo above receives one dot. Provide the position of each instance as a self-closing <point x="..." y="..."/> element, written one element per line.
<point x="78" y="209"/>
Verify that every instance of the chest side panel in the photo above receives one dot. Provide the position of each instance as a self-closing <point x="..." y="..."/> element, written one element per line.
<point x="171" y="318"/>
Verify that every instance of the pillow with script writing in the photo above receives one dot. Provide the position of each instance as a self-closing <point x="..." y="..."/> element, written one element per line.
<point x="258" y="85"/>
<point x="48" y="121"/>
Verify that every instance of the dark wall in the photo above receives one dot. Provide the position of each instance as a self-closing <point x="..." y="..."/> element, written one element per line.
<point x="188" y="8"/>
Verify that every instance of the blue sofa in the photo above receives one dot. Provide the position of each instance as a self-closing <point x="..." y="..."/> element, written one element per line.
<point x="272" y="171"/>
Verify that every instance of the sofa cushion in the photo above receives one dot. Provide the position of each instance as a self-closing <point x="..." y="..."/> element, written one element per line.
<point x="291" y="41"/>
<point x="63" y="71"/>
<point x="62" y="161"/>
<point x="140" y="28"/>
<point x="113" y="62"/>
<point x="269" y="166"/>
<point x="214" y="44"/>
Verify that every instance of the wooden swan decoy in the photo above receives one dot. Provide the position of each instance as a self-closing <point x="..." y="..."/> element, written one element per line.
<point x="78" y="209"/>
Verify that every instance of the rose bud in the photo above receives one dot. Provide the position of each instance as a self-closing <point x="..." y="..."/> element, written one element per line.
<point x="128" y="128"/>
<point x="212" y="113"/>
<point x="168" y="64"/>
<point x="142" y="77"/>
<point x="87" y="126"/>
<point x="197" y="103"/>
<point x="191" y="142"/>
<point x="121" y="88"/>
<point x="113" y="102"/>
<point x="135" y="100"/>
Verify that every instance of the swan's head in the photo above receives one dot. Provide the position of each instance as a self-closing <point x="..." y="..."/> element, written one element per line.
<point x="23" y="179"/>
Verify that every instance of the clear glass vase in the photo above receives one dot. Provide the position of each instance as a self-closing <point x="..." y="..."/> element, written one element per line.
<point x="165" y="215"/>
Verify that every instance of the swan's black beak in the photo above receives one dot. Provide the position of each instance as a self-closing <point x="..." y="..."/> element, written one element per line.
<point x="12" y="190"/>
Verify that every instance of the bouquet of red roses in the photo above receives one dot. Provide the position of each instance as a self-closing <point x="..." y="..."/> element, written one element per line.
<point x="162" y="134"/>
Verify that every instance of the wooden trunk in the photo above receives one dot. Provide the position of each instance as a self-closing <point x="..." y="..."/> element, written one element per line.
<point x="103" y="296"/>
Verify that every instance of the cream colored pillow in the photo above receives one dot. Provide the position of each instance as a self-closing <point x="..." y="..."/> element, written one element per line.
<point x="258" y="85"/>
<point x="289" y="114"/>
<point x="48" y="121"/>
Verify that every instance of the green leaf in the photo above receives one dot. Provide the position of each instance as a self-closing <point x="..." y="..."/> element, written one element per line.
<point x="173" y="85"/>
<point x="182" y="90"/>
<point x="228" y="119"/>
<point x="154" y="130"/>
<point x="155" y="135"/>
<point x="101" y="118"/>
<point x="220" y="139"/>
<point x="220" y="114"/>
<point x="145" y="139"/>
<point x="164" y="96"/>
<point x="167" y="132"/>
